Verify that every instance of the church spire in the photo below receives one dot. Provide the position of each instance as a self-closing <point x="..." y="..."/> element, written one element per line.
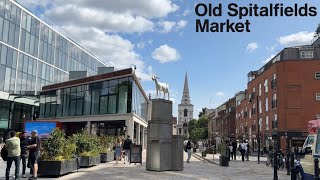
<point x="185" y="97"/>
<point x="186" y="86"/>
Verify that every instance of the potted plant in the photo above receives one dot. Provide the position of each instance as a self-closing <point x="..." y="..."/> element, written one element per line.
<point x="105" y="148"/>
<point x="87" y="148"/>
<point x="57" y="155"/>
<point x="223" y="150"/>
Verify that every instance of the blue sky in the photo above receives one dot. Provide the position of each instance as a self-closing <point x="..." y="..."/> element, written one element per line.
<point x="159" y="37"/>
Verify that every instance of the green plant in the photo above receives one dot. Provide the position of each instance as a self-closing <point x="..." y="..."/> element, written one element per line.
<point x="87" y="144"/>
<point x="106" y="144"/>
<point x="57" y="147"/>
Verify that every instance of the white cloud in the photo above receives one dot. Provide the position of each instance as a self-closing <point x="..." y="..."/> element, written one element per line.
<point x="186" y="12"/>
<point x="268" y="59"/>
<point x="252" y="46"/>
<point x="300" y="38"/>
<point x="165" y="54"/>
<point x="141" y="45"/>
<point x="220" y="94"/>
<point x="271" y="48"/>
<point x="167" y="26"/>
<point x="181" y="24"/>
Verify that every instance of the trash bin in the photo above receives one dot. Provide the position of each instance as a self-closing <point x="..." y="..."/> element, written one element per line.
<point x="204" y="154"/>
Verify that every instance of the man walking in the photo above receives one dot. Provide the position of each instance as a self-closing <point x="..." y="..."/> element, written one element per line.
<point x="34" y="153"/>
<point x="126" y="146"/>
<point x="189" y="151"/>
<point x="24" y="142"/>
<point x="234" y="150"/>
<point x="14" y="152"/>
<point x="243" y="149"/>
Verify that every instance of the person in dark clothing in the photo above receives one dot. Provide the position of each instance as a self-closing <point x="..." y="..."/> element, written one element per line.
<point x="234" y="150"/>
<point x="24" y="142"/>
<point x="188" y="147"/>
<point x="34" y="153"/>
<point x="126" y="147"/>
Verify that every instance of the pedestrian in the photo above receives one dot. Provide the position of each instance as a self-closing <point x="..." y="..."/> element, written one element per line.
<point x="188" y="147"/>
<point x="118" y="149"/>
<point x="243" y="149"/>
<point x="230" y="151"/>
<point x="24" y="142"/>
<point x="247" y="151"/>
<point x="234" y="150"/>
<point x="126" y="147"/>
<point x="34" y="154"/>
<point x="14" y="152"/>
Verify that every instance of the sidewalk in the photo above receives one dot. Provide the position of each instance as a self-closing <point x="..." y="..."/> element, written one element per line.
<point x="215" y="159"/>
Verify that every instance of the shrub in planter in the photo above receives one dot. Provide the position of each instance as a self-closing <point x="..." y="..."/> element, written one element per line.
<point x="106" y="148"/>
<point x="223" y="149"/>
<point x="87" y="148"/>
<point x="57" y="155"/>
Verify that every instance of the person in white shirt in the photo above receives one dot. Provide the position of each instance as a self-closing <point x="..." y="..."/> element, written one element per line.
<point x="243" y="149"/>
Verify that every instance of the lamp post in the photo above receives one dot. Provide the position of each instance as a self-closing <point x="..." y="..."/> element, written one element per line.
<point x="258" y="129"/>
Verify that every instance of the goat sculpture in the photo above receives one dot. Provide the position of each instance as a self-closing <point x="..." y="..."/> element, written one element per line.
<point x="164" y="87"/>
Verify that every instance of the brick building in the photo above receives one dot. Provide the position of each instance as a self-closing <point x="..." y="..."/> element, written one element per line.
<point x="281" y="97"/>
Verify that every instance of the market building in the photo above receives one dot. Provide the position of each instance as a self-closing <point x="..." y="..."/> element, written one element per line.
<point x="111" y="103"/>
<point x="32" y="55"/>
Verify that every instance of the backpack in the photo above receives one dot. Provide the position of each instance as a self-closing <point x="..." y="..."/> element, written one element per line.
<point x="4" y="153"/>
<point x="240" y="147"/>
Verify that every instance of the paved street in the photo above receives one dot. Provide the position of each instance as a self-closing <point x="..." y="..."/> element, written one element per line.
<point x="195" y="170"/>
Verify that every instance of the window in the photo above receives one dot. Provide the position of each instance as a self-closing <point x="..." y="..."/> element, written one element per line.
<point x="306" y="54"/>
<point x="318" y="96"/>
<point x="275" y="121"/>
<point x="318" y="116"/>
<point x="267" y="123"/>
<point x="185" y="112"/>
<point x="273" y="82"/>
<point x="266" y="85"/>
<point x="317" y="75"/>
<point x="260" y="124"/>
<point x="260" y="89"/>
<point x="250" y="111"/>
<point x="260" y="107"/>
<point x="274" y="101"/>
<point x="267" y="104"/>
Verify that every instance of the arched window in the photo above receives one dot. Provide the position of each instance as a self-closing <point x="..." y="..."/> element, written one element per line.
<point x="185" y="113"/>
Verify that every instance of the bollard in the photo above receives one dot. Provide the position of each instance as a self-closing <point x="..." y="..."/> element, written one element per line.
<point x="293" y="173"/>
<point x="316" y="168"/>
<point x="275" y="165"/>
<point x="287" y="163"/>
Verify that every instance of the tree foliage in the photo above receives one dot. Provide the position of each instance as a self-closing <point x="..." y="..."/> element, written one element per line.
<point x="198" y="129"/>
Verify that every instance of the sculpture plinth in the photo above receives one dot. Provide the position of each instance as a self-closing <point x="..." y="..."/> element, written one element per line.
<point x="163" y="151"/>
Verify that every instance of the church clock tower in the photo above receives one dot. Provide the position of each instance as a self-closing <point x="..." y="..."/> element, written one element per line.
<point x="185" y="110"/>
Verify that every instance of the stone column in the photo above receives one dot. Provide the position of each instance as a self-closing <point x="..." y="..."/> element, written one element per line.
<point x="88" y="126"/>
<point x="138" y="133"/>
<point x="130" y="126"/>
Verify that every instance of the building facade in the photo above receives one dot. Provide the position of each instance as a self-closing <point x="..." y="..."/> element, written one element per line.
<point x="108" y="104"/>
<point x="281" y="97"/>
<point x="33" y="55"/>
<point x="185" y="110"/>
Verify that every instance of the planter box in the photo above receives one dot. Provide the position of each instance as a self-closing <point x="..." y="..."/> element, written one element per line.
<point x="88" y="161"/>
<point x="223" y="161"/>
<point x="106" y="157"/>
<point x="57" y="168"/>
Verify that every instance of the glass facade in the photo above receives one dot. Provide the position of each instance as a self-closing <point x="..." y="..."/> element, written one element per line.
<point x="33" y="55"/>
<point x="116" y="96"/>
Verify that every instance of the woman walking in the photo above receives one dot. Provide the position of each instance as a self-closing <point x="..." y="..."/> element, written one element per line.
<point x="118" y="149"/>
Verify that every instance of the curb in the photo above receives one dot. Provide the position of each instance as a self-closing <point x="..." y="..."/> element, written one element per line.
<point x="204" y="159"/>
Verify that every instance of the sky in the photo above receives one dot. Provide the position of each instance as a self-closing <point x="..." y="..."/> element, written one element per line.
<point x="159" y="37"/>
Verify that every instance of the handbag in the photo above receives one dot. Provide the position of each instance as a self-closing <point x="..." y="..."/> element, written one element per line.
<point x="4" y="153"/>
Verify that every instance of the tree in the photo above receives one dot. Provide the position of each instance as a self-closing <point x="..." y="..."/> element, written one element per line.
<point x="192" y="125"/>
<point x="198" y="129"/>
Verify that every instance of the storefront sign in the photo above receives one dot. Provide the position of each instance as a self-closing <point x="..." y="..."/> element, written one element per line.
<point x="136" y="154"/>
<point x="297" y="143"/>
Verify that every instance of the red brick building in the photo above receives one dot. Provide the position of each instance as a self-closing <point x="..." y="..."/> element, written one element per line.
<point x="282" y="96"/>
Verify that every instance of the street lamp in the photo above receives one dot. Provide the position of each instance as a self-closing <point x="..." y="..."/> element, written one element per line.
<point x="258" y="129"/>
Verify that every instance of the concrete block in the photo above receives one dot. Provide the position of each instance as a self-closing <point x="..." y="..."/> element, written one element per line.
<point x="177" y="153"/>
